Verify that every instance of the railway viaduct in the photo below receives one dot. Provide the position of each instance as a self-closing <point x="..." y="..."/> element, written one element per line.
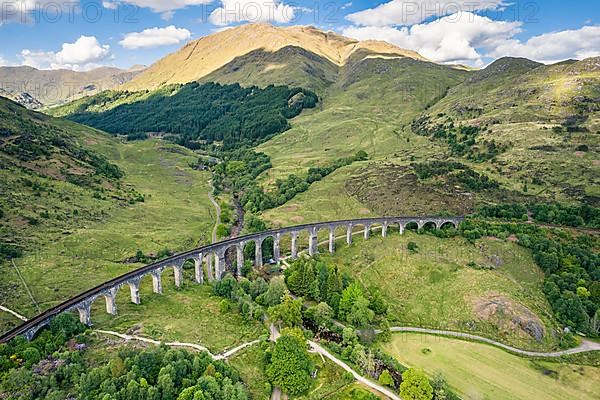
<point x="210" y="263"/>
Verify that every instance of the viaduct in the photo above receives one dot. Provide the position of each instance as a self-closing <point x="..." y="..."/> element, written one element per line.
<point x="213" y="258"/>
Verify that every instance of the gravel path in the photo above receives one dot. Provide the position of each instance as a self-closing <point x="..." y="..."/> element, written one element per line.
<point x="220" y="356"/>
<point x="585" y="346"/>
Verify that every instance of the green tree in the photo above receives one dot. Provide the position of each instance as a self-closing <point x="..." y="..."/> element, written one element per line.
<point x="349" y="297"/>
<point x="415" y="385"/>
<point x="360" y="314"/>
<point x="274" y="293"/>
<point x="222" y="231"/>
<point x="385" y="379"/>
<point x="288" y="313"/>
<point x="321" y="314"/>
<point x="225" y="287"/>
<point x="290" y="366"/>
<point x="386" y="334"/>
<point x="302" y="279"/>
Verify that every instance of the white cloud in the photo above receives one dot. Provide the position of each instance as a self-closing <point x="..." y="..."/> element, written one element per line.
<point x="84" y="54"/>
<point x="3" y="62"/>
<point x="410" y="12"/>
<point x="453" y="39"/>
<point x="165" y="7"/>
<point x="37" y="59"/>
<point x="232" y="11"/>
<point x="155" y="37"/>
<point x="555" y="46"/>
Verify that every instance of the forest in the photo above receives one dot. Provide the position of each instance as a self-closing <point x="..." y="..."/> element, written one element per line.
<point x="196" y="114"/>
<point x="59" y="364"/>
<point x="240" y="168"/>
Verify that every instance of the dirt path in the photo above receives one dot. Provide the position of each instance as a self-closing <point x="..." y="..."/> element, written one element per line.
<point x="585" y="346"/>
<point x="25" y="286"/>
<point x="221" y="356"/>
<point x="218" y="208"/>
<point x="8" y="310"/>
<point x="367" y="382"/>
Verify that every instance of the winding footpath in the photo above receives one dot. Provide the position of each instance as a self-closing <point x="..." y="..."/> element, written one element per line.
<point x="317" y="348"/>
<point x="221" y="356"/>
<point x="585" y="346"/>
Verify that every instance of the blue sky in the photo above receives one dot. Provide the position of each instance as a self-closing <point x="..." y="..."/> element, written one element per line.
<point x="85" y="34"/>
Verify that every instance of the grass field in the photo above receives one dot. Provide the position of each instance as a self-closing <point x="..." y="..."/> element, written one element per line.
<point x="447" y="285"/>
<point x="176" y="214"/>
<point x="251" y="365"/>
<point x="190" y="314"/>
<point x="478" y="371"/>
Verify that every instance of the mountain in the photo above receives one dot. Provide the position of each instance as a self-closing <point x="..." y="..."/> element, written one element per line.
<point x="516" y="89"/>
<point x="51" y="87"/>
<point x="516" y="129"/>
<point x="208" y="54"/>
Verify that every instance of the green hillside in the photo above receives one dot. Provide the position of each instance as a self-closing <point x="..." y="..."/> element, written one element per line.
<point x="51" y="179"/>
<point x="77" y="205"/>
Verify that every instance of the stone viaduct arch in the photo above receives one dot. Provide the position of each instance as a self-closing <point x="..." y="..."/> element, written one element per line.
<point x="213" y="258"/>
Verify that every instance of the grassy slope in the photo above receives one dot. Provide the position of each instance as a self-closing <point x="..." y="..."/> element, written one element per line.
<point x="522" y="102"/>
<point x="436" y="288"/>
<point x="368" y="108"/>
<point x="176" y="215"/>
<point x="372" y="114"/>
<point x="479" y="371"/>
<point x="190" y="315"/>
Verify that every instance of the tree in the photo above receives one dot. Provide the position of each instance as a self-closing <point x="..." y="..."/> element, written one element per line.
<point x="377" y="302"/>
<point x="274" y="293"/>
<point x="302" y="278"/>
<point x="349" y="297"/>
<point x="386" y="334"/>
<point x="415" y="385"/>
<point x="290" y="366"/>
<point x="321" y="314"/>
<point x="258" y="287"/>
<point x="225" y="287"/>
<point x="360" y="314"/>
<point x="288" y="313"/>
<point x="385" y="379"/>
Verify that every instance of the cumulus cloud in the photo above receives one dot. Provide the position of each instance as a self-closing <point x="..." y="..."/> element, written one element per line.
<point x="165" y="7"/>
<point x="84" y="54"/>
<point x="232" y="11"/>
<point x="410" y="12"/>
<point x="155" y="37"/>
<point x="453" y="39"/>
<point x="555" y="46"/>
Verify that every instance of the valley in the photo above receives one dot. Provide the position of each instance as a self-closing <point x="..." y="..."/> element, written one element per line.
<point x="456" y="200"/>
